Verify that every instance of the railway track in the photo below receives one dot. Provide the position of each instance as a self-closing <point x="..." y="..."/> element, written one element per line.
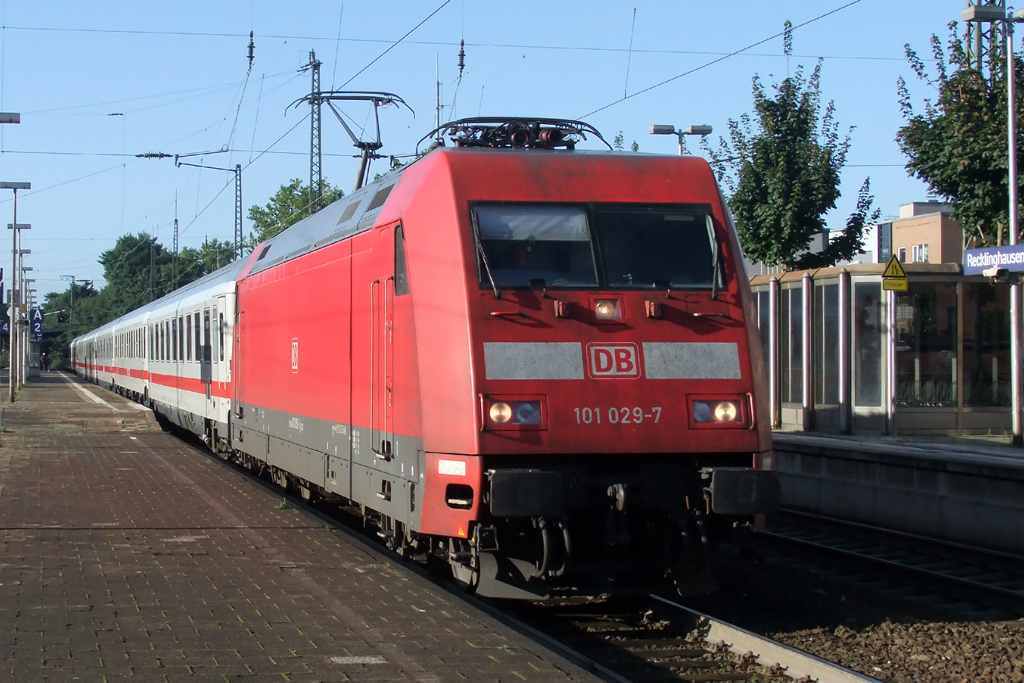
<point x="968" y="573"/>
<point x="649" y="639"/>
<point x="657" y="639"/>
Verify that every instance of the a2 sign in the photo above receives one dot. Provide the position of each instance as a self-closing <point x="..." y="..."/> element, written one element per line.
<point x="35" y="324"/>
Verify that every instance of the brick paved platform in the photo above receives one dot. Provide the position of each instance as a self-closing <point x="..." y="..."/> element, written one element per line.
<point x="128" y="554"/>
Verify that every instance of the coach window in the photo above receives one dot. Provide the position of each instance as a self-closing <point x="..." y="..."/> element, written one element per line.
<point x="181" y="338"/>
<point x="188" y="338"/>
<point x="207" y="356"/>
<point x="214" y="346"/>
<point x="220" y="334"/>
<point x="201" y="354"/>
<point x="401" y="272"/>
<point x="175" y="326"/>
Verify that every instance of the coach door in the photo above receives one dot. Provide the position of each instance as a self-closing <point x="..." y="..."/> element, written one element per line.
<point x="220" y="366"/>
<point x="382" y="357"/>
<point x="206" y="356"/>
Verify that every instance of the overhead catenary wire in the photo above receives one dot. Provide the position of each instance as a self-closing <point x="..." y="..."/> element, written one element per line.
<point x="337" y="44"/>
<point x="722" y="58"/>
<point x="396" y="43"/>
<point x="442" y="43"/>
<point x="220" y="87"/>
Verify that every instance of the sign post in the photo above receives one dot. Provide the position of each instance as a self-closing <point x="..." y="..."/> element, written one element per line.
<point x="894" y="279"/>
<point x="1006" y="264"/>
<point x="35" y="322"/>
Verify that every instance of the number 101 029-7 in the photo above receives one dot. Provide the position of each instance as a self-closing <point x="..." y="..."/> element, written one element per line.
<point x="624" y="415"/>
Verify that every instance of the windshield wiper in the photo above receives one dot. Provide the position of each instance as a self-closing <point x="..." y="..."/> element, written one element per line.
<point x="483" y="254"/>
<point x="714" y="258"/>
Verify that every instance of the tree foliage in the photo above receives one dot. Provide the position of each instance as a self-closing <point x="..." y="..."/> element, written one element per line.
<point x="619" y="143"/>
<point x="957" y="144"/>
<point x="781" y="167"/>
<point x="133" y="279"/>
<point x="289" y="205"/>
<point x="211" y="256"/>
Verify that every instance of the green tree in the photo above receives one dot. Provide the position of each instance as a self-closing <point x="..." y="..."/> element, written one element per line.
<point x="211" y="256"/>
<point x="78" y="318"/>
<point x="957" y="144"/>
<point x="126" y="268"/>
<point x="289" y="205"/>
<point x="782" y="168"/>
<point x="619" y="143"/>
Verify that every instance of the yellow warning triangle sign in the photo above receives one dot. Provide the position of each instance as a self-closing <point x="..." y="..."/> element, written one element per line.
<point x="894" y="269"/>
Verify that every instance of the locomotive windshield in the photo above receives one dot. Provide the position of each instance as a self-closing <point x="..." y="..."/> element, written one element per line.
<point x="537" y="246"/>
<point x="655" y="249"/>
<point x="555" y="246"/>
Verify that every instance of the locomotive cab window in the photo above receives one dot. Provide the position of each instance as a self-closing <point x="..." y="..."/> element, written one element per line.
<point x="535" y="245"/>
<point x="608" y="246"/>
<point x="401" y="272"/>
<point x="656" y="248"/>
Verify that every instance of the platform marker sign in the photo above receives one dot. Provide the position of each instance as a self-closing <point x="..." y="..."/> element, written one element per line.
<point x="35" y="321"/>
<point x="894" y="278"/>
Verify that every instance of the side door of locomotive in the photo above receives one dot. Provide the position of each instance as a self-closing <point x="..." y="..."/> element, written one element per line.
<point x="382" y="340"/>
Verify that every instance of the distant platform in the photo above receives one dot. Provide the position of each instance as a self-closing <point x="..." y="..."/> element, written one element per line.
<point x="959" y="489"/>
<point x="128" y="553"/>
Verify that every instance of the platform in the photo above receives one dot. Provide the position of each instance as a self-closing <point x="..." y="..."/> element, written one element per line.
<point x="127" y="553"/>
<point x="959" y="489"/>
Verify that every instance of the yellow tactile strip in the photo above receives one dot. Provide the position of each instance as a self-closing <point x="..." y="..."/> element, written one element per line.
<point x="126" y="554"/>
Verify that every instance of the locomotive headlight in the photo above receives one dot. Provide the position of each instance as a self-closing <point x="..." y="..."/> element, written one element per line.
<point x="500" y="412"/>
<point x="726" y="412"/>
<point x="716" y="412"/>
<point x="513" y="412"/>
<point x="607" y="309"/>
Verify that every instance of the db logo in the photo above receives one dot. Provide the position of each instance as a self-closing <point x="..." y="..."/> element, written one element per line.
<point x="613" y="361"/>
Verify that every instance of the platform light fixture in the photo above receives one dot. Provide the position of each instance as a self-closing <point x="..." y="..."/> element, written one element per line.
<point x="988" y="14"/>
<point x="661" y="129"/>
<point x="13" y="355"/>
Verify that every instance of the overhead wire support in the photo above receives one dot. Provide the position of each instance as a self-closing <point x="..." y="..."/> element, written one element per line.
<point x="367" y="148"/>
<point x="237" y="170"/>
<point x="315" y="139"/>
<point x="174" y="256"/>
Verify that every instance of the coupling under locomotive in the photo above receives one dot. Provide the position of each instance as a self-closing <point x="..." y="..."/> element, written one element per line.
<point x="533" y="363"/>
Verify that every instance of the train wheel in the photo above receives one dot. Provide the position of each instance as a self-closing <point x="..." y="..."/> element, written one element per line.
<point x="460" y="560"/>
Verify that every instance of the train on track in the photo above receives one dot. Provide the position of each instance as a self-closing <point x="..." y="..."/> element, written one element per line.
<point x="534" y="363"/>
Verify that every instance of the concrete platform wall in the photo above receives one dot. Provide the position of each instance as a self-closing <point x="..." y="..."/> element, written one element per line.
<point x="974" y="499"/>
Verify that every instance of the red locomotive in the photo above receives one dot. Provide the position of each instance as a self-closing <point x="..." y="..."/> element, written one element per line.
<point x="535" y="363"/>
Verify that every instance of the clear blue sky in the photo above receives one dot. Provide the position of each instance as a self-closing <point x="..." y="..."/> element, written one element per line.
<point x="175" y="76"/>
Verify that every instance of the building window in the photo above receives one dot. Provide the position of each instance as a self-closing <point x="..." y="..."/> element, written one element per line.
<point x="902" y="254"/>
<point x="919" y="253"/>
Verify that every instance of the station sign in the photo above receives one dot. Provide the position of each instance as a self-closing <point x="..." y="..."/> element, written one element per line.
<point x="35" y="323"/>
<point x="894" y="279"/>
<point x="977" y="261"/>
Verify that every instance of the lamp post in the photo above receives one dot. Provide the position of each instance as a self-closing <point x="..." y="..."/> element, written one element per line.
<point x="28" y="298"/>
<point x="658" y="129"/>
<point x="15" y="300"/>
<point x="990" y="14"/>
<point x="10" y="117"/>
<point x="23" y="350"/>
<point x="73" y="280"/>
